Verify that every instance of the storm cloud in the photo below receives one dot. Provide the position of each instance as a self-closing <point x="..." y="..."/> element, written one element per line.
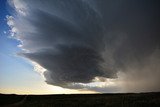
<point x="77" y="41"/>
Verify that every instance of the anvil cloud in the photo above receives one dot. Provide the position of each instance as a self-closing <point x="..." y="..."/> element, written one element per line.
<point x="77" y="41"/>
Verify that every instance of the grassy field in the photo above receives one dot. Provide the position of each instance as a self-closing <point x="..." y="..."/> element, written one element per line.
<point x="82" y="100"/>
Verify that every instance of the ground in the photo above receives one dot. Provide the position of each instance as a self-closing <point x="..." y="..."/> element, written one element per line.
<point x="82" y="100"/>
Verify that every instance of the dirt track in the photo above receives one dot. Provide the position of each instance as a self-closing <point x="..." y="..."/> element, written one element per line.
<point x="17" y="104"/>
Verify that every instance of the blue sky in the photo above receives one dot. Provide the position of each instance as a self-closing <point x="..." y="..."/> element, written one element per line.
<point x="14" y="70"/>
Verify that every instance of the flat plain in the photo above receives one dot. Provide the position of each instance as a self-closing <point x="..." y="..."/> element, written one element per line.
<point x="82" y="100"/>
